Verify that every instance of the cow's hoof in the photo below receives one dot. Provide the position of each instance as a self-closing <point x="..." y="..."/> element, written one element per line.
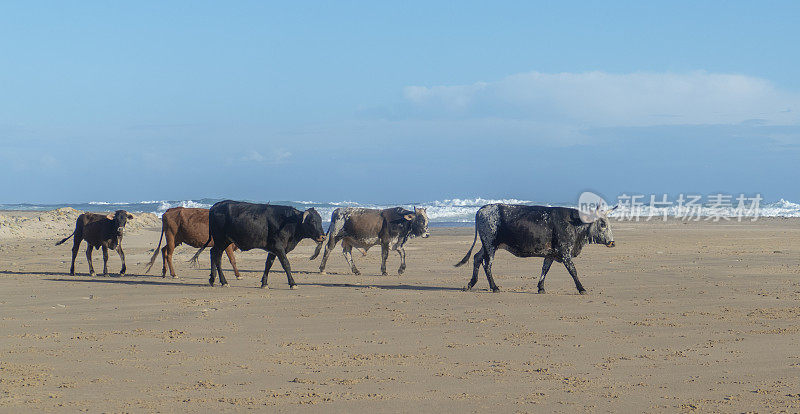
<point x="400" y="271"/>
<point x="211" y="283"/>
<point x="582" y="292"/>
<point x="238" y="278"/>
<point x="92" y="274"/>
<point x="495" y="289"/>
<point x="224" y="285"/>
<point x="322" y="272"/>
<point x="356" y="272"/>
<point x="294" y="287"/>
<point x="264" y="286"/>
<point x="384" y="274"/>
<point x="174" y="276"/>
<point x="72" y="274"/>
<point x="541" y="290"/>
<point x="122" y="273"/>
<point x="466" y="288"/>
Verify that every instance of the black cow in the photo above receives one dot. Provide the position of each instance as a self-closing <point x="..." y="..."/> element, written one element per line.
<point x="276" y="229"/>
<point x="555" y="233"/>
<point x="99" y="231"/>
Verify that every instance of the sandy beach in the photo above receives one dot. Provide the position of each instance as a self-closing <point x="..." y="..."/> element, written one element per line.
<point x="680" y="316"/>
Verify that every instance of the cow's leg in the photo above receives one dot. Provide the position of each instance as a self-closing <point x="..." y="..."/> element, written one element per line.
<point x="402" y="252"/>
<point x="286" y="268"/>
<point x="75" y="247"/>
<point x="216" y="268"/>
<point x="384" y="256"/>
<point x="222" y="281"/>
<point x="232" y="259"/>
<point x="487" y="268"/>
<point x="545" y="268"/>
<point x="105" y="261"/>
<point x="213" y="269"/>
<point x="267" y="266"/>
<point x="164" y="259"/>
<point x="476" y="265"/>
<point x="347" y="250"/>
<point x="574" y="273"/>
<point x="329" y="246"/>
<point x="121" y="257"/>
<point x="166" y="255"/>
<point x="89" y="259"/>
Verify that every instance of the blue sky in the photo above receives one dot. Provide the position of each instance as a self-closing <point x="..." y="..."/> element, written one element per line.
<point x="396" y="102"/>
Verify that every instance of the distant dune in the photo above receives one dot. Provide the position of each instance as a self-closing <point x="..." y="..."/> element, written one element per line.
<point x="58" y="223"/>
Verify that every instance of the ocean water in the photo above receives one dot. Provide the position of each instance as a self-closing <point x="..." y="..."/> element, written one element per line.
<point x="442" y="213"/>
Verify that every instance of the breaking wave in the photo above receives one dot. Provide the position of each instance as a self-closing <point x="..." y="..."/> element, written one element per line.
<point x="456" y="211"/>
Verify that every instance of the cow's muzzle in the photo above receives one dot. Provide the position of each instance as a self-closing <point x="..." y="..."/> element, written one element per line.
<point x="426" y="235"/>
<point x="610" y="244"/>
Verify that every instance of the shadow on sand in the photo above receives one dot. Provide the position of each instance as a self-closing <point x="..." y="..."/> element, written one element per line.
<point x="121" y="281"/>
<point x="386" y="287"/>
<point x="128" y="279"/>
<point x="153" y="280"/>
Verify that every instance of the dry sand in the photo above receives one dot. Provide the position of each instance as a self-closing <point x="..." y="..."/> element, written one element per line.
<point x="679" y="317"/>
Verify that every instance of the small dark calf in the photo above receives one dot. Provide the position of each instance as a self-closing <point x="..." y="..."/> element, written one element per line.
<point x="99" y="231"/>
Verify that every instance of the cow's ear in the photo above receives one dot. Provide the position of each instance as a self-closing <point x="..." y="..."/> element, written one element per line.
<point x="409" y="217"/>
<point x="130" y="216"/>
<point x="110" y="217"/>
<point x="587" y="217"/>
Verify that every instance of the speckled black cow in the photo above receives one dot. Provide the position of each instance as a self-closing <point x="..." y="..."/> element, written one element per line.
<point x="555" y="233"/>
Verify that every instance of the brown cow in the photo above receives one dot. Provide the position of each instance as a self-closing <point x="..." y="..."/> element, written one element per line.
<point x="185" y="225"/>
<point x="363" y="228"/>
<point x="99" y="231"/>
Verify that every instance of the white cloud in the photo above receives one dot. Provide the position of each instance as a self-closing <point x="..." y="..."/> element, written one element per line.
<point x="253" y="155"/>
<point x="595" y="99"/>
<point x="275" y="156"/>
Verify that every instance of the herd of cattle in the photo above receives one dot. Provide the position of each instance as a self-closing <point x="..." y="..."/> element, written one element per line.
<point x="553" y="233"/>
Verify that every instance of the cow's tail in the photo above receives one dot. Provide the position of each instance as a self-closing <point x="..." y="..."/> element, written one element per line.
<point x="317" y="250"/>
<point x="319" y="245"/>
<point x="194" y="258"/>
<point x="475" y="240"/>
<point x="65" y="238"/>
<point x="155" y="253"/>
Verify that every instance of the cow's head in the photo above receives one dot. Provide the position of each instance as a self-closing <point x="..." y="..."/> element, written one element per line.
<point x="419" y="222"/>
<point x="120" y="219"/>
<point x="311" y="222"/>
<point x="600" y="228"/>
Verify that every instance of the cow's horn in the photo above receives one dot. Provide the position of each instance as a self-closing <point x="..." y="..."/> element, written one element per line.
<point x="110" y="217"/>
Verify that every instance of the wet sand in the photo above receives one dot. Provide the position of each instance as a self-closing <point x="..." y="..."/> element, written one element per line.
<point x="679" y="317"/>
